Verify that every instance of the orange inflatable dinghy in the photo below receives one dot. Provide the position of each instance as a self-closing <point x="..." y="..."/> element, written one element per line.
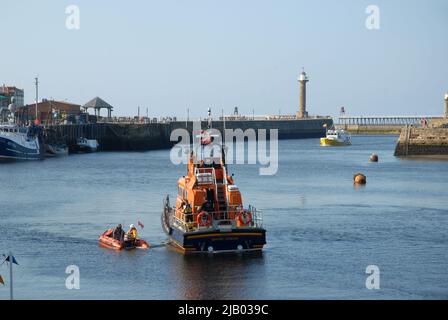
<point x="107" y="241"/>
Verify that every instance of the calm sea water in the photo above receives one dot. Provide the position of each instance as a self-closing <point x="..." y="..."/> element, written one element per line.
<point x="322" y="232"/>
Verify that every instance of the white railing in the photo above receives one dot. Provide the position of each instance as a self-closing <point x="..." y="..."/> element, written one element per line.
<point x="257" y="217"/>
<point x="205" y="175"/>
<point x="189" y="223"/>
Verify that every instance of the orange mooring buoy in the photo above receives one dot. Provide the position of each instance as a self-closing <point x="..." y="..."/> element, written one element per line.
<point x="359" y="178"/>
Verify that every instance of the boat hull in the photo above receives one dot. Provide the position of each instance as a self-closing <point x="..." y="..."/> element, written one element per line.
<point x="84" y="149"/>
<point x="52" y="151"/>
<point x="11" y="150"/>
<point x="213" y="241"/>
<point x="325" y="142"/>
<point x="86" y="146"/>
<point x="106" y="241"/>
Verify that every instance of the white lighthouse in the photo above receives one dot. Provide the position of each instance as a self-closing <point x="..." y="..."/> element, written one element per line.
<point x="303" y="79"/>
<point x="446" y="104"/>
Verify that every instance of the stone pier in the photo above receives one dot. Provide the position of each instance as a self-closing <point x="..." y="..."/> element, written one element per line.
<point x="431" y="141"/>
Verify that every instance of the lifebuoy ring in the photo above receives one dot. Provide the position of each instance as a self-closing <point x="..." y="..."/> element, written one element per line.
<point x="244" y="218"/>
<point x="204" y="219"/>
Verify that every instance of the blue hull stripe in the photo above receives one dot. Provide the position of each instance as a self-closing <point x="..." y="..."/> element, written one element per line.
<point x="247" y="238"/>
<point x="13" y="151"/>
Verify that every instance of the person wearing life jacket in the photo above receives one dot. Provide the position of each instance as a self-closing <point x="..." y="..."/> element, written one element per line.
<point x="182" y="206"/>
<point x="132" y="233"/>
<point x="188" y="211"/>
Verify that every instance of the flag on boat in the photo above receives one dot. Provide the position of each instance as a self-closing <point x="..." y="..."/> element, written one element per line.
<point x="13" y="260"/>
<point x="206" y="138"/>
<point x="1" y="281"/>
<point x="141" y="225"/>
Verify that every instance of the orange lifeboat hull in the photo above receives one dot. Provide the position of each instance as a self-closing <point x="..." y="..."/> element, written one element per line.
<point x="106" y="241"/>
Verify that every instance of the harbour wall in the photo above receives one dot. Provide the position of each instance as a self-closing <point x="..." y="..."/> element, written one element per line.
<point x="422" y="142"/>
<point x="141" y="137"/>
<point x="372" y="129"/>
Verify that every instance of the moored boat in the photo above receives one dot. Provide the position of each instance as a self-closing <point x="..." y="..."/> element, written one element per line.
<point x="55" y="145"/>
<point x="20" y="142"/>
<point x="108" y="241"/>
<point x="56" y="150"/>
<point x="86" y="145"/>
<point x="336" y="137"/>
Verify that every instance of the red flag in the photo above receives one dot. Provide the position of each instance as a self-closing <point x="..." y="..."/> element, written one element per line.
<point x="206" y="139"/>
<point x="141" y="225"/>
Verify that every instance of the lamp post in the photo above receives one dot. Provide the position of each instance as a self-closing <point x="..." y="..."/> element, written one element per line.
<point x="37" y="94"/>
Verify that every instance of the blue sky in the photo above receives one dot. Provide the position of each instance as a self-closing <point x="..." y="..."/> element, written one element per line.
<point x="169" y="55"/>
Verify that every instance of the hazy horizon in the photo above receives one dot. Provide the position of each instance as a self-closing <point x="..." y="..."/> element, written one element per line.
<point x="172" y="55"/>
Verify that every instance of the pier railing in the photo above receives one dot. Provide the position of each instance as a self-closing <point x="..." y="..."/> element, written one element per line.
<point x="384" y="120"/>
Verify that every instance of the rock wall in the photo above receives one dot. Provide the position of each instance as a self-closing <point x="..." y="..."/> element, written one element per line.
<point x="422" y="141"/>
<point x="372" y="129"/>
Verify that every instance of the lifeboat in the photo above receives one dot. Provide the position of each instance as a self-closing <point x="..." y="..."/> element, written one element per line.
<point x="208" y="214"/>
<point x="107" y="241"/>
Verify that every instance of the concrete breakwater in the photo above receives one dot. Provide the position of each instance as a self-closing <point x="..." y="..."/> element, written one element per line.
<point x="372" y="129"/>
<point x="141" y="137"/>
<point x="422" y="142"/>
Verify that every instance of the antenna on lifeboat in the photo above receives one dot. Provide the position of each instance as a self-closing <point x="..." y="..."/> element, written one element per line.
<point x="209" y="112"/>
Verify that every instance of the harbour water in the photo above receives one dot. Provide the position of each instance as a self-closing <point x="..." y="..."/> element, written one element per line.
<point x="322" y="232"/>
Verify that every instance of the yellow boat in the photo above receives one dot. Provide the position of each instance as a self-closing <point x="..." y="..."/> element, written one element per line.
<point x="335" y="138"/>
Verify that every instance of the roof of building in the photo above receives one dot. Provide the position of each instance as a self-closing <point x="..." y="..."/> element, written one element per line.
<point x="44" y="102"/>
<point x="97" y="103"/>
<point x="9" y="89"/>
<point x="48" y="105"/>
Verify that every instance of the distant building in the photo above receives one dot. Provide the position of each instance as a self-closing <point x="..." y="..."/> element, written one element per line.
<point x="48" y="110"/>
<point x="10" y="95"/>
